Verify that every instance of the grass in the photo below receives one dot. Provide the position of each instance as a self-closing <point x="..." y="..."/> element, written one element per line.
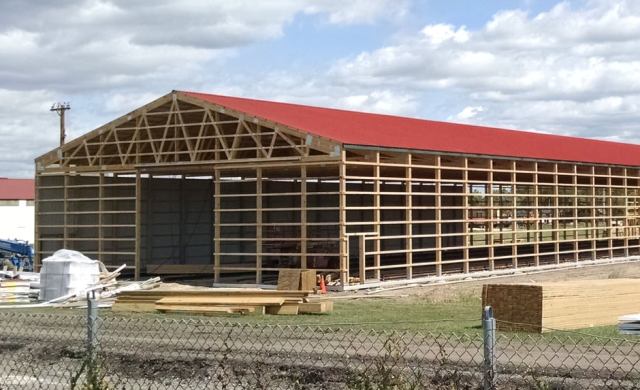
<point x="458" y="315"/>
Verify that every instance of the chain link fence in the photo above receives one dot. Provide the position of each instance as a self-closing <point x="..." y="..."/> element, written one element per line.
<point x="87" y="351"/>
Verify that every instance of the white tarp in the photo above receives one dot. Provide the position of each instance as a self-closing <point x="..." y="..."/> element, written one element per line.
<point x="66" y="272"/>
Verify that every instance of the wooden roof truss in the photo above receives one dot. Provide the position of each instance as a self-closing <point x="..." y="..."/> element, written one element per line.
<point x="180" y="130"/>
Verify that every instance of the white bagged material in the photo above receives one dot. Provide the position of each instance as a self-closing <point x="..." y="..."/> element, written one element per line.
<point x="67" y="272"/>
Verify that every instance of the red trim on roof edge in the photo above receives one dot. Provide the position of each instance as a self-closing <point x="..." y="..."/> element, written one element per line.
<point x="17" y="189"/>
<point x="376" y="130"/>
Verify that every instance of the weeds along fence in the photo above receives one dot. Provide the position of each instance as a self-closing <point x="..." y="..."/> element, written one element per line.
<point x="100" y="351"/>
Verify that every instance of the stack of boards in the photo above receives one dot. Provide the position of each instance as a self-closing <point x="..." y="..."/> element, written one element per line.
<point x="19" y="288"/>
<point x="541" y="307"/>
<point x="216" y="301"/>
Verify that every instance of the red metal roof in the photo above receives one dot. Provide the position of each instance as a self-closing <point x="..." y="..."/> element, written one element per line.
<point x="17" y="189"/>
<point x="359" y="128"/>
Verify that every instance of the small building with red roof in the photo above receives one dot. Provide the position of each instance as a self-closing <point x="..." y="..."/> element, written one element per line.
<point x="17" y="209"/>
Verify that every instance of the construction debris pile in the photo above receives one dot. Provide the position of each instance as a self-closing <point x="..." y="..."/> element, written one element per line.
<point x="68" y="276"/>
<point x="19" y="287"/>
<point x="64" y="281"/>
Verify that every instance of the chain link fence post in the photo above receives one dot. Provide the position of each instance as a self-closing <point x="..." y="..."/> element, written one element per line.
<point x="489" y="342"/>
<point x="92" y="326"/>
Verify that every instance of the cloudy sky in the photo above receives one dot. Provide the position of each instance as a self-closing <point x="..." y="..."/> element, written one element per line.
<point x="568" y="67"/>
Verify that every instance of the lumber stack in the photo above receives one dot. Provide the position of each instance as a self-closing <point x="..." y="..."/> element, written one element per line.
<point x="212" y="301"/>
<point x="540" y="307"/>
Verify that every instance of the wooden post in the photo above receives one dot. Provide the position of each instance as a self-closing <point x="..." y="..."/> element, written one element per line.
<point x="138" y="225"/>
<point x="216" y="240"/>
<point x="438" y="215"/>
<point x="362" y="258"/>
<point x="376" y="216"/>
<point x="37" y="245"/>
<point x="514" y="217"/>
<point x="489" y="236"/>
<point x="609" y="214"/>
<point x="344" y="240"/>
<point x="465" y="217"/>
<point x="303" y="217"/>
<point x="100" y="215"/>
<point x="626" y="212"/>
<point x="258" y="225"/>
<point x="576" y="241"/>
<point x="594" y="222"/>
<point x="65" y="242"/>
<point x="556" y="214"/>
<point x="408" y="217"/>
<point x="536" y="215"/>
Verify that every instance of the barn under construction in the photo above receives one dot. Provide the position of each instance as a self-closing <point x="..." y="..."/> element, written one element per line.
<point x="237" y="188"/>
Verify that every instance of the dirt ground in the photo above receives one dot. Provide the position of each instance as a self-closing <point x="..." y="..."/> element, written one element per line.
<point x="445" y="292"/>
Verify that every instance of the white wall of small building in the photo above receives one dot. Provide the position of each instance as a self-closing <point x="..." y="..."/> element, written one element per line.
<point x="17" y="221"/>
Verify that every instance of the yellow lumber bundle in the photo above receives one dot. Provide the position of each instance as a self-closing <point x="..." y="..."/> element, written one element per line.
<point x="541" y="307"/>
<point x="214" y="301"/>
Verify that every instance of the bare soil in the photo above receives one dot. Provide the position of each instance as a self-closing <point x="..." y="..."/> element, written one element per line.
<point x="446" y="292"/>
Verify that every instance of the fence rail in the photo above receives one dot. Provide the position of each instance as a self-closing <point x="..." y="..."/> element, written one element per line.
<point x="92" y="351"/>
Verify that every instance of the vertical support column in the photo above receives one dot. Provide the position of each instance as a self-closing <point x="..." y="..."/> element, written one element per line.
<point x="408" y="216"/>
<point x="216" y="229"/>
<point x="438" y="212"/>
<point x="344" y="240"/>
<point x="36" y="224"/>
<point x="101" y="197"/>
<point x="303" y="217"/>
<point x="609" y="214"/>
<point x="576" y="240"/>
<point x="594" y="223"/>
<point x="258" y="225"/>
<point x="489" y="232"/>
<point x="465" y="216"/>
<point x="556" y="214"/>
<point x="138" y="224"/>
<point x="65" y="208"/>
<point x="148" y="218"/>
<point x="626" y="212"/>
<point x="376" y="216"/>
<point x="536" y="217"/>
<point x="362" y="258"/>
<point x="182" y="220"/>
<point x="514" y="217"/>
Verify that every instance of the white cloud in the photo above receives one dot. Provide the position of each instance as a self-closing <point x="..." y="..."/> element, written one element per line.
<point x="467" y="113"/>
<point x="570" y="70"/>
<point x="109" y="56"/>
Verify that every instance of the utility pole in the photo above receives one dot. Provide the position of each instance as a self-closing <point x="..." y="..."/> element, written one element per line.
<point x="60" y="108"/>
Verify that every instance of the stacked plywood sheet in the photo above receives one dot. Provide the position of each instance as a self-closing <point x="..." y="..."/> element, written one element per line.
<point x="213" y="301"/>
<point x="540" y="307"/>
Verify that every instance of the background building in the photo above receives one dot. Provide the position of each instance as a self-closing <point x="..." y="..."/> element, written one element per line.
<point x="16" y="209"/>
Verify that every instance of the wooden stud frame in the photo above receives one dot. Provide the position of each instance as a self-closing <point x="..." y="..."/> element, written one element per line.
<point x="364" y="214"/>
<point x="541" y="226"/>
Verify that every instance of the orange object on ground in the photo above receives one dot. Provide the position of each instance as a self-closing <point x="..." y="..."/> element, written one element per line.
<point x="323" y="286"/>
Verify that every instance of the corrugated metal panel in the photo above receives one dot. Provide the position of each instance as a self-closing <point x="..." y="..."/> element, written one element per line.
<point x="358" y="128"/>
